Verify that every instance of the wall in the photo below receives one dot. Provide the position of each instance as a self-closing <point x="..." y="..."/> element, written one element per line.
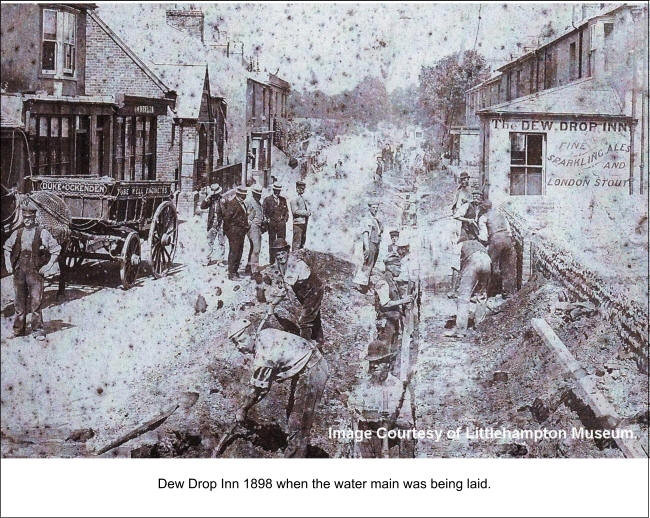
<point x="20" y="51"/>
<point x="470" y="152"/>
<point x="629" y="319"/>
<point x="111" y="71"/>
<point x="191" y="22"/>
<point x="580" y="154"/>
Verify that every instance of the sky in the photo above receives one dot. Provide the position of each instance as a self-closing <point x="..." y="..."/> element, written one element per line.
<point x="332" y="46"/>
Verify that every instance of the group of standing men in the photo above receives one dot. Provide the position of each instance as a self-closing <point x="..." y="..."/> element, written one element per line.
<point x="279" y="354"/>
<point x="389" y="160"/>
<point x="243" y="213"/>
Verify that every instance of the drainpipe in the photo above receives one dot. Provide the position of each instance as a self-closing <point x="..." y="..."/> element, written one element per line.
<point x="633" y="125"/>
<point x="642" y="154"/>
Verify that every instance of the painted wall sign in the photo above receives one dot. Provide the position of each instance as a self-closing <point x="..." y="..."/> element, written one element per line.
<point x="576" y="154"/>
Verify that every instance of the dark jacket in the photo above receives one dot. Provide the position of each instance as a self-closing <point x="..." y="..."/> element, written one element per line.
<point x="235" y="219"/>
<point x="214" y="204"/>
<point x="277" y="213"/>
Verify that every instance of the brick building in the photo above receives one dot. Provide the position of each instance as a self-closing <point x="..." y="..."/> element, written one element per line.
<point x="89" y="105"/>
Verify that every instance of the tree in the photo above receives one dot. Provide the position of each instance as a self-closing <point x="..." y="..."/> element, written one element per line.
<point x="404" y="103"/>
<point x="442" y="86"/>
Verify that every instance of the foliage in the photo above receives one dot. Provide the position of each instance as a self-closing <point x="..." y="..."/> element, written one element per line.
<point x="442" y="86"/>
<point x="367" y="103"/>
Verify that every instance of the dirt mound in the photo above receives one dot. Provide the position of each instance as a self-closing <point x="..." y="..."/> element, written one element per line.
<point x="537" y="393"/>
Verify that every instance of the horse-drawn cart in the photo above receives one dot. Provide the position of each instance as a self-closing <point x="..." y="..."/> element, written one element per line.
<point x="109" y="217"/>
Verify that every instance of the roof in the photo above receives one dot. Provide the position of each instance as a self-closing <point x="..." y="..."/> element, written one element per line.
<point x="187" y="81"/>
<point x="606" y="11"/>
<point x="128" y="51"/>
<point x="11" y="111"/>
<point x="276" y="81"/>
<point x="163" y="47"/>
<point x="585" y="97"/>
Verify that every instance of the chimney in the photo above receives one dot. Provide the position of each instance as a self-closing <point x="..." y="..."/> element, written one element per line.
<point x="189" y="21"/>
<point x="581" y="12"/>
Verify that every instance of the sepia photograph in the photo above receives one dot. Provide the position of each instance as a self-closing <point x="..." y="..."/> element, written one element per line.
<point x="324" y="230"/>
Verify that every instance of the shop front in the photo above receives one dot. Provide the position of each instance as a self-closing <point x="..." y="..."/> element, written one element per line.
<point x="94" y="136"/>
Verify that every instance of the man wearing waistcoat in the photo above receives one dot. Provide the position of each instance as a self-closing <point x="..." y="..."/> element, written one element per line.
<point x="307" y="287"/>
<point x="235" y="226"/>
<point x="22" y="257"/>
<point x="495" y="230"/>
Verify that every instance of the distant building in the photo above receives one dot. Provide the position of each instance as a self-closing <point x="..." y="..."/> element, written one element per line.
<point x="280" y="90"/>
<point x="569" y="115"/>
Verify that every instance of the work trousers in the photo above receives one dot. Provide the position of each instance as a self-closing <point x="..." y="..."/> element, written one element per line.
<point x="306" y="391"/>
<point x="299" y="236"/>
<point x="28" y="287"/>
<point x="309" y="321"/>
<point x="504" y="260"/>
<point x="275" y="232"/>
<point x="255" y="242"/>
<point x="235" y="250"/>
<point x="362" y="277"/>
<point x="376" y="448"/>
<point x="215" y="236"/>
<point x="475" y="272"/>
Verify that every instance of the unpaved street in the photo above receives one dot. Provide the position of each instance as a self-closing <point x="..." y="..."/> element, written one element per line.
<point x="116" y="358"/>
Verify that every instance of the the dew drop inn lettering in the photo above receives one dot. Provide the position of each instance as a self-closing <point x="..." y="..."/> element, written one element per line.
<point x="549" y="125"/>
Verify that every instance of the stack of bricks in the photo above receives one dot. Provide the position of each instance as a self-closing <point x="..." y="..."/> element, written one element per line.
<point x="628" y="318"/>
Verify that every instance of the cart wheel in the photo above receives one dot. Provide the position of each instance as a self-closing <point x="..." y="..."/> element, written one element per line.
<point x="130" y="260"/>
<point x="163" y="236"/>
<point x="74" y="255"/>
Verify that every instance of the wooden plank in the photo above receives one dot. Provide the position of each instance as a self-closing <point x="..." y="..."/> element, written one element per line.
<point x="585" y="387"/>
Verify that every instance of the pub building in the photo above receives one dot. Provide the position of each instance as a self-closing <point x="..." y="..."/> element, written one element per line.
<point x="569" y="116"/>
<point x="90" y="106"/>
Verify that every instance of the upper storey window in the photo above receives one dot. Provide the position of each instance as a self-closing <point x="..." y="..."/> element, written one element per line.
<point x="58" y="42"/>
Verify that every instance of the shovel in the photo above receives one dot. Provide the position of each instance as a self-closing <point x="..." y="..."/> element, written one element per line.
<point x="186" y="401"/>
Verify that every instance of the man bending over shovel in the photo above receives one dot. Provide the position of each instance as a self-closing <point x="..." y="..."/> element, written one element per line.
<point x="280" y="356"/>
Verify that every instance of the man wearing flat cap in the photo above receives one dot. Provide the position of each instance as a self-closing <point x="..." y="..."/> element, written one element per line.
<point x="463" y="193"/>
<point x="390" y="303"/>
<point x="235" y="226"/>
<point x="212" y="202"/>
<point x="276" y="213"/>
<point x="257" y="226"/>
<point x="301" y="213"/>
<point x="281" y="356"/>
<point x="381" y="400"/>
<point x="293" y="270"/>
<point x="23" y="259"/>
<point x="394" y="237"/>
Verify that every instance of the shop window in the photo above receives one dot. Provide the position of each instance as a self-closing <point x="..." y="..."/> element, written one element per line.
<point x="60" y="144"/>
<point x="58" y="42"/>
<point x="134" y="148"/>
<point x="526" y="163"/>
